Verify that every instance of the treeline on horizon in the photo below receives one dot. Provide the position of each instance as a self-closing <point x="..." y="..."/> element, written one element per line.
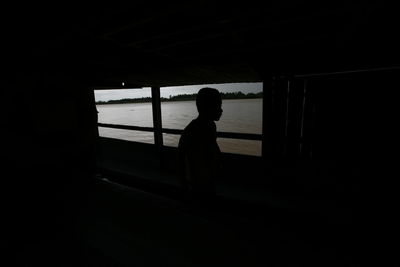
<point x="183" y="97"/>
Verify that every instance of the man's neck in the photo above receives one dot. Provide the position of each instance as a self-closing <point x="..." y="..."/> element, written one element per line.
<point x="205" y="118"/>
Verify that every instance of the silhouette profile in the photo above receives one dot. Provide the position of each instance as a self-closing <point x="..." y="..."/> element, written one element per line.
<point x="198" y="148"/>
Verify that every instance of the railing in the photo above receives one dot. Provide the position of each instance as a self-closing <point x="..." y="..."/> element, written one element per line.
<point x="245" y="136"/>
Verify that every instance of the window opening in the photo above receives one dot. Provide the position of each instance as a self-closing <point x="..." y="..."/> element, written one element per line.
<point x="242" y="113"/>
<point x="125" y="107"/>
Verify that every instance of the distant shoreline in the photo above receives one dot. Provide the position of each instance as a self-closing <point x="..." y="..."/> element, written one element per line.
<point x="184" y="97"/>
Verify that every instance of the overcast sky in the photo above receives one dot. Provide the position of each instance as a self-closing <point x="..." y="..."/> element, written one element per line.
<point x="115" y="94"/>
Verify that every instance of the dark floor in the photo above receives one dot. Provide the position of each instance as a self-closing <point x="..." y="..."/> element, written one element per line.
<point x="121" y="226"/>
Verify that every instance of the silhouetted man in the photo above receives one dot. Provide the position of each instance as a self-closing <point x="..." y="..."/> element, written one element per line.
<point x="198" y="148"/>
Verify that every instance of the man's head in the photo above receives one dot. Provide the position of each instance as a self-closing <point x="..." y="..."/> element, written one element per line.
<point x="209" y="103"/>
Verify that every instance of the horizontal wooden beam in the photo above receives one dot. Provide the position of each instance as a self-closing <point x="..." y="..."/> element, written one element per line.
<point x="126" y="127"/>
<point x="245" y="136"/>
<point x="396" y="68"/>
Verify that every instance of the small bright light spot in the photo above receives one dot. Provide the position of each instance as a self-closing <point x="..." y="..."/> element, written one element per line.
<point x="123" y="84"/>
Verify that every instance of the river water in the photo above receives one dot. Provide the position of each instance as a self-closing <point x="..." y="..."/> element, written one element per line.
<point x="240" y="116"/>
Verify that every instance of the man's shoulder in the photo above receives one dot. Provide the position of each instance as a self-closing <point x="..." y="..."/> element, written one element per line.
<point x="198" y="127"/>
<point x="203" y="124"/>
<point x="190" y="127"/>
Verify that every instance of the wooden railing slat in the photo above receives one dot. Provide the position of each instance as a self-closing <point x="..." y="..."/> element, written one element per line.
<point x="246" y="136"/>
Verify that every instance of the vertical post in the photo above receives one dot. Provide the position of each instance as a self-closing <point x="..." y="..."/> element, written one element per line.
<point x="267" y="106"/>
<point x="280" y="111"/>
<point x="274" y="115"/>
<point x="308" y="120"/>
<point x="294" y="116"/>
<point x="303" y="111"/>
<point x="156" y="104"/>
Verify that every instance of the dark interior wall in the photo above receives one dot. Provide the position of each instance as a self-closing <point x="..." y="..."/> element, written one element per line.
<point x="356" y="129"/>
<point x="48" y="149"/>
<point x="355" y="119"/>
<point x="350" y="136"/>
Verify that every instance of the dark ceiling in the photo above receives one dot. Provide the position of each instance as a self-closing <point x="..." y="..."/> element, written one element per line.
<point x="166" y="43"/>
